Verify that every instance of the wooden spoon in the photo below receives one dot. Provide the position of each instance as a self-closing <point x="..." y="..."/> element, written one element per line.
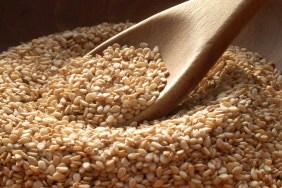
<point x="191" y="36"/>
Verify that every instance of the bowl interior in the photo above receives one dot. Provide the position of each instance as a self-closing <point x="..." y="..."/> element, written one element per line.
<point x="24" y="20"/>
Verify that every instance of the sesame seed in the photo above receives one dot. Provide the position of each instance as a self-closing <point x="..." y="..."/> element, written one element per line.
<point x="61" y="112"/>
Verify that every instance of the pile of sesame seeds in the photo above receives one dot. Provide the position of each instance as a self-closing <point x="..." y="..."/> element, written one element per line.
<point x="227" y="132"/>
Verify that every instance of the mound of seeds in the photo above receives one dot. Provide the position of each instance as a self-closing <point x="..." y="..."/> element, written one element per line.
<point x="227" y="132"/>
<point x="106" y="90"/>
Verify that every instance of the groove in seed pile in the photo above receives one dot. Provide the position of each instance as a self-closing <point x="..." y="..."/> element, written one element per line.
<point x="227" y="132"/>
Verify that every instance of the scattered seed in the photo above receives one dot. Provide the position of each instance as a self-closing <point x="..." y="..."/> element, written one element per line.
<point x="76" y="177"/>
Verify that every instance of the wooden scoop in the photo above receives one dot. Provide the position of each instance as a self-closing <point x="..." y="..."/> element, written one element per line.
<point x="191" y="37"/>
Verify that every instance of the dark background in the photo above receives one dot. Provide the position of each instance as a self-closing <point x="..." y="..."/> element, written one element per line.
<point x="22" y="20"/>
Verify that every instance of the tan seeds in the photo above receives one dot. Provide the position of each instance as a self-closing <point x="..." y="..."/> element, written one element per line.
<point x="226" y="133"/>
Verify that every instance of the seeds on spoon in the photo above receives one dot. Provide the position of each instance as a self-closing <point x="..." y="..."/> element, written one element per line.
<point x="108" y="89"/>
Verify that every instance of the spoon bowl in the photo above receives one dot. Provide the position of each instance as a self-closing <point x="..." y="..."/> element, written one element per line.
<point x="191" y="37"/>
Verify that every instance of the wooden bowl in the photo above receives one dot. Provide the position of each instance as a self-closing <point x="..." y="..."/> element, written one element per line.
<point x="27" y="19"/>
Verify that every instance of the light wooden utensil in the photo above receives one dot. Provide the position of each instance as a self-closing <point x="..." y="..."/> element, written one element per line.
<point x="191" y="36"/>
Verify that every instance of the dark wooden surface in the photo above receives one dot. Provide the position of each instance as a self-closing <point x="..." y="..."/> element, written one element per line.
<point x="22" y="20"/>
<point x="264" y="33"/>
